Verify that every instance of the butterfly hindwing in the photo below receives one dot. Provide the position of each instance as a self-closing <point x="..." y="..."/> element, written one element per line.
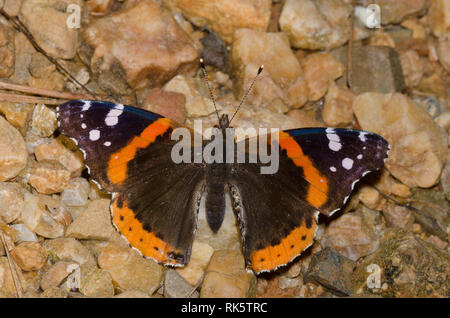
<point x="277" y="213"/>
<point x="128" y="153"/>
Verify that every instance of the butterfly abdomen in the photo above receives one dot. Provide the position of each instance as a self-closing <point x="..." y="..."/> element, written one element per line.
<point x="215" y="195"/>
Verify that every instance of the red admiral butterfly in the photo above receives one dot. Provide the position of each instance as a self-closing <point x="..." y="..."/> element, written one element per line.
<point x="155" y="201"/>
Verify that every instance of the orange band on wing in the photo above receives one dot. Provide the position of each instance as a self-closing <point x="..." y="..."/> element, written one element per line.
<point x="318" y="189"/>
<point x="117" y="166"/>
<point x="146" y="242"/>
<point x="271" y="257"/>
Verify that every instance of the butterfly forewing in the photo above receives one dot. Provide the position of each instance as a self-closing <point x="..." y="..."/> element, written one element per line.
<point x="128" y="153"/>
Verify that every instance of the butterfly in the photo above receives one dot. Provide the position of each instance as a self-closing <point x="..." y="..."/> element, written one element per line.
<point x="155" y="201"/>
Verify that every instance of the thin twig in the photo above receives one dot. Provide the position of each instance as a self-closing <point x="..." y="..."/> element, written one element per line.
<point x="12" y="267"/>
<point x="41" y="91"/>
<point x="16" y="98"/>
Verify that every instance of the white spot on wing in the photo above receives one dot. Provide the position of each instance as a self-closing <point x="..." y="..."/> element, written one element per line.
<point x="335" y="141"/>
<point x="94" y="134"/>
<point x="360" y="156"/>
<point x="111" y="121"/>
<point x="107" y="143"/>
<point x="347" y="163"/>
<point x="83" y="125"/>
<point x="362" y="136"/>
<point x="333" y="169"/>
<point x="112" y="118"/>
<point x="86" y="106"/>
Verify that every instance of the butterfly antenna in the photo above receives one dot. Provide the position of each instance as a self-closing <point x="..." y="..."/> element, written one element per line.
<point x="248" y="91"/>
<point x="211" y="95"/>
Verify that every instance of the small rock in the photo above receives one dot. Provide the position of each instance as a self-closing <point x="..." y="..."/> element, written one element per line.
<point x="431" y="105"/>
<point x="433" y="239"/>
<point x="6" y="51"/>
<point x="355" y="234"/>
<point x="11" y="201"/>
<point x="23" y="52"/>
<point x="168" y="104"/>
<point x="200" y="257"/>
<point x="132" y="294"/>
<point x="197" y="105"/>
<point x="286" y="282"/>
<point x="56" y="274"/>
<point x="297" y="93"/>
<point x="400" y="190"/>
<point x="417" y="28"/>
<point x="69" y="249"/>
<point x="79" y="71"/>
<point x="319" y="69"/>
<point x="17" y="114"/>
<point x="412" y="67"/>
<point x="37" y="218"/>
<point x="129" y="270"/>
<point x="310" y="290"/>
<point x="251" y="49"/>
<point x="316" y="25"/>
<point x="370" y="197"/>
<point x="43" y="121"/>
<point x="58" y="211"/>
<point x="32" y="279"/>
<point x="40" y="66"/>
<point x="432" y="212"/>
<point x="225" y="16"/>
<point x="49" y="177"/>
<point x="12" y="7"/>
<point x="94" y="223"/>
<point x="97" y="283"/>
<point x="403" y="266"/>
<point x="32" y="141"/>
<point x="337" y="109"/>
<point x="332" y="270"/>
<point x="176" y="287"/>
<point x="227" y="270"/>
<point x="13" y="153"/>
<point x="398" y="216"/>
<point x="439" y="17"/>
<point x="443" y="120"/>
<point x="147" y="47"/>
<point x="76" y="192"/>
<point x="418" y="146"/>
<point x="29" y="256"/>
<point x="23" y="234"/>
<point x="55" y="150"/>
<point x="214" y="51"/>
<point x="381" y="38"/>
<point x="47" y="22"/>
<point x="443" y="51"/>
<point x="55" y="81"/>
<point x="304" y="119"/>
<point x="54" y="292"/>
<point x="294" y="269"/>
<point x="433" y="85"/>
<point x="381" y="62"/>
